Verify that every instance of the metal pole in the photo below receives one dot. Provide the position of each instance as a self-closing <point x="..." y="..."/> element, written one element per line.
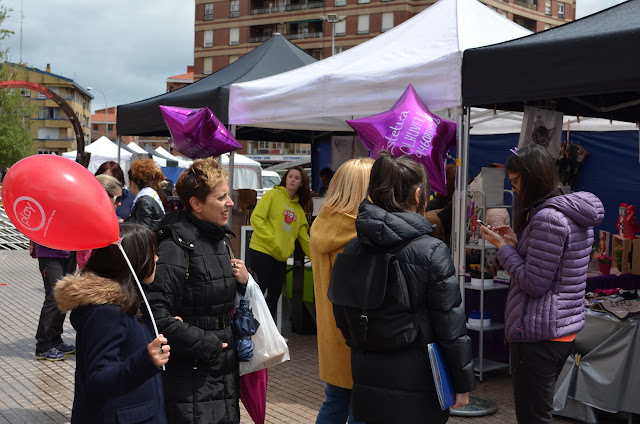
<point x="232" y="159"/>
<point x="333" y="38"/>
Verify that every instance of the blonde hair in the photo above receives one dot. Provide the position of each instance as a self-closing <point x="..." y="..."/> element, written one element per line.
<point x="348" y="186"/>
<point x="109" y="183"/>
<point x="199" y="180"/>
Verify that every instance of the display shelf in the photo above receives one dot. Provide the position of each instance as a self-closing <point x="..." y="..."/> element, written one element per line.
<point x="487" y="365"/>
<point x="482" y="245"/>
<point x="492" y="327"/>
<point x="495" y="286"/>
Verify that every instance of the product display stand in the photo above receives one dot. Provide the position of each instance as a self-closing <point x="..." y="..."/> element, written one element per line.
<point x="481" y="364"/>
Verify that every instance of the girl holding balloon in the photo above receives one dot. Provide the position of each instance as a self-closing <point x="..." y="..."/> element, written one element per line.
<point x="118" y="361"/>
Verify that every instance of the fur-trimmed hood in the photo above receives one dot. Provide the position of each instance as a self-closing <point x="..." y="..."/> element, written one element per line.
<point x="84" y="289"/>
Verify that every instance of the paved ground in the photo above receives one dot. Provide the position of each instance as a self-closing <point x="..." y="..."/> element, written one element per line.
<point x="42" y="391"/>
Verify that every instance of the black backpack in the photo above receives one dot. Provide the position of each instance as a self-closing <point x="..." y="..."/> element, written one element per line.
<point x="371" y="301"/>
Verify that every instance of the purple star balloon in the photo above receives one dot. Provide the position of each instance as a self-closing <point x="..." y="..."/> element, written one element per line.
<point x="198" y="133"/>
<point x="410" y="129"/>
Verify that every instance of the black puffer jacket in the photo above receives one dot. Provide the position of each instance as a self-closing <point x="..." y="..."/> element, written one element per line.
<point x="194" y="280"/>
<point x="397" y="387"/>
<point x="146" y="212"/>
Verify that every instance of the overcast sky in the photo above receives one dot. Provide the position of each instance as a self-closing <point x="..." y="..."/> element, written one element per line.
<point x="125" y="48"/>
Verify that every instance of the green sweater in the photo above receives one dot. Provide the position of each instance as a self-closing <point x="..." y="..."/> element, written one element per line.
<point x="277" y="222"/>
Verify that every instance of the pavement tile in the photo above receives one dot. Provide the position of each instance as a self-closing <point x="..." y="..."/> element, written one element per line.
<point x="34" y="391"/>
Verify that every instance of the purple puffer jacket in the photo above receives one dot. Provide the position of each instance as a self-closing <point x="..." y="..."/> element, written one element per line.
<point x="549" y="268"/>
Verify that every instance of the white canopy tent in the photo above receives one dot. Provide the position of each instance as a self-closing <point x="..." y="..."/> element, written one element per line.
<point x="181" y="162"/>
<point x="488" y="122"/>
<point x="160" y="161"/>
<point x="425" y="51"/>
<point x="102" y="150"/>
<point x="247" y="173"/>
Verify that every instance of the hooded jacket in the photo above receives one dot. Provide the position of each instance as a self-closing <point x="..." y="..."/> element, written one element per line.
<point x="115" y="380"/>
<point x="278" y="221"/>
<point x="398" y="387"/>
<point x="194" y="280"/>
<point x="330" y="233"/>
<point x="549" y="268"/>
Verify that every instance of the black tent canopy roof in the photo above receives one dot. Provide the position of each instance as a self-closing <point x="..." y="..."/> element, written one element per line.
<point x="588" y="67"/>
<point x="274" y="56"/>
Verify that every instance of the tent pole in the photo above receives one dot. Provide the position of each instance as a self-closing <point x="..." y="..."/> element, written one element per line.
<point x="118" y="143"/>
<point x="232" y="158"/>
<point x="459" y="210"/>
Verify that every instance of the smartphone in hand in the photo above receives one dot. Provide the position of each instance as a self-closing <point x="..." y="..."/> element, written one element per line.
<point x="479" y="221"/>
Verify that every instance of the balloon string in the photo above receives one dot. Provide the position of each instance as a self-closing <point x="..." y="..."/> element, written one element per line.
<point x="153" y="321"/>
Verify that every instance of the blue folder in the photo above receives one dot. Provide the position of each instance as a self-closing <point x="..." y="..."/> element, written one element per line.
<point x="442" y="377"/>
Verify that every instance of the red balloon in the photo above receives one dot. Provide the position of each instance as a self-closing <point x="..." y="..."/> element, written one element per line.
<point x="59" y="204"/>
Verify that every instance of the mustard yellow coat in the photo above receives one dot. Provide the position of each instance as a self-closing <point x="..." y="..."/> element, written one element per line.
<point x="330" y="233"/>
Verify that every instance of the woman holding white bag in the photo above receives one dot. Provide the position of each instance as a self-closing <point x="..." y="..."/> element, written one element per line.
<point x="197" y="280"/>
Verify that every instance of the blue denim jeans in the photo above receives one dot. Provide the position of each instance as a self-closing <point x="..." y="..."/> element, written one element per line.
<point x="336" y="408"/>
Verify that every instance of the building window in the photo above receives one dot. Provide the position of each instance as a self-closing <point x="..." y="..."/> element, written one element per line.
<point x="49" y="113"/>
<point x="363" y="24"/>
<point x="234" y="36"/>
<point x="560" y="10"/>
<point x="340" y="49"/>
<point x="341" y="28"/>
<point x="96" y="127"/>
<point x="505" y="14"/>
<point x="387" y="21"/>
<point x="547" y="26"/>
<point x="341" y="2"/>
<point x="25" y="92"/>
<point x="235" y="8"/>
<point x="208" y="11"/>
<point x="208" y="65"/>
<point x="208" y="38"/>
<point x="317" y="53"/>
<point x="547" y="7"/>
<point x="233" y="58"/>
<point x="364" y="1"/>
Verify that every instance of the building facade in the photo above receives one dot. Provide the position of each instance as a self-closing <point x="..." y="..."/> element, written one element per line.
<point x="227" y="29"/>
<point x="51" y="130"/>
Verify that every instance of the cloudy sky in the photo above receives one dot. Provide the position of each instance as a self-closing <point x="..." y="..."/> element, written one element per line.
<point x="125" y="48"/>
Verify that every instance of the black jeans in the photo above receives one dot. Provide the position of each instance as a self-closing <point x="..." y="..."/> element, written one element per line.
<point x="271" y="276"/>
<point x="49" y="332"/>
<point x="535" y="367"/>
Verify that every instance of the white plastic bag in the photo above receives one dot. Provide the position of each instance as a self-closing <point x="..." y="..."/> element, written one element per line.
<point x="270" y="347"/>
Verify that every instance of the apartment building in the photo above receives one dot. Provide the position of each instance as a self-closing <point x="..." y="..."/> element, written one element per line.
<point x="227" y="29"/>
<point x="51" y="130"/>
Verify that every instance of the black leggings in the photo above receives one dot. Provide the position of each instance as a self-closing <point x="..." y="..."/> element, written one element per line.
<point x="271" y="276"/>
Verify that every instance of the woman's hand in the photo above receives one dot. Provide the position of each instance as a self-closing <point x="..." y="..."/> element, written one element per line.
<point x="462" y="399"/>
<point x="240" y="272"/>
<point x="507" y="234"/>
<point x="159" y="350"/>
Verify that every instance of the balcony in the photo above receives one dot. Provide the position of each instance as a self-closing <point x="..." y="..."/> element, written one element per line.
<point x="303" y="35"/>
<point x="283" y="7"/>
<point x="529" y="4"/>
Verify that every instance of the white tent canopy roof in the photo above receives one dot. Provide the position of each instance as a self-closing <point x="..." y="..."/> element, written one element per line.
<point x="425" y="51"/>
<point x="133" y="146"/>
<point x="181" y="162"/>
<point x="102" y="150"/>
<point x="486" y="122"/>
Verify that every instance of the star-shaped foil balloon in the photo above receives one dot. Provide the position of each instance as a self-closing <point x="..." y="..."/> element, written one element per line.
<point x="198" y="133"/>
<point x="410" y="129"/>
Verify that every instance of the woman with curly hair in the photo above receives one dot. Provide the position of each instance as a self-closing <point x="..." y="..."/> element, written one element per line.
<point x="147" y="210"/>
<point x="278" y="220"/>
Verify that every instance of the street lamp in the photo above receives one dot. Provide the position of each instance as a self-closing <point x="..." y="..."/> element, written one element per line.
<point x="333" y="19"/>
<point x="106" y="117"/>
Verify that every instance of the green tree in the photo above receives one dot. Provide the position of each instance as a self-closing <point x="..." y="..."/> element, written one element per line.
<point x="15" y="111"/>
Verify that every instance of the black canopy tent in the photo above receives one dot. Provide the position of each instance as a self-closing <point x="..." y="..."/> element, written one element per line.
<point x="274" y="56"/>
<point x="588" y="67"/>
